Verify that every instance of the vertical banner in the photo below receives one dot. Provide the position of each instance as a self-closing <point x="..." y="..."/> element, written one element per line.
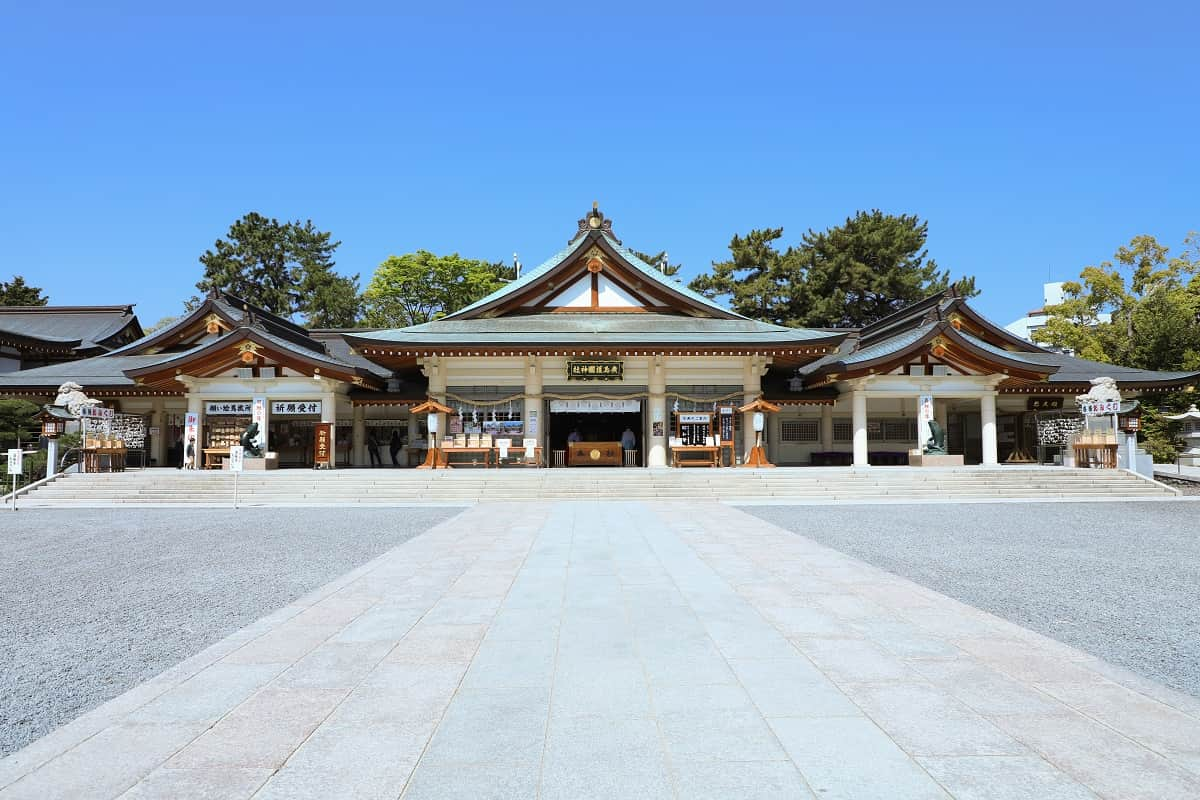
<point x="323" y="444"/>
<point x="191" y="430"/>
<point x="924" y="417"/>
<point x="258" y="413"/>
<point x="531" y="429"/>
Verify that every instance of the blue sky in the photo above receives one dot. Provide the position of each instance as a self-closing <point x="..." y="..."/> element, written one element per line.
<point x="1034" y="138"/>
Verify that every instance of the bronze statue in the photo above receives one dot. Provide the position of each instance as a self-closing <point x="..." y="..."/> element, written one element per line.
<point x="249" y="441"/>
<point x="936" y="446"/>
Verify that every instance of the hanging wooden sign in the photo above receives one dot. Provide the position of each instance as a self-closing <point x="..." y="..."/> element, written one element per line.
<point x="323" y="444"/>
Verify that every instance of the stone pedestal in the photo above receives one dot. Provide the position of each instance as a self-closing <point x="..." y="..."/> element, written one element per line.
<point x="249" y="464"/>
<point x="923" y="460"/>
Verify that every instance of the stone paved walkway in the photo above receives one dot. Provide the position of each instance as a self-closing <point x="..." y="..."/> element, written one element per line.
<point x="625" y="650"/>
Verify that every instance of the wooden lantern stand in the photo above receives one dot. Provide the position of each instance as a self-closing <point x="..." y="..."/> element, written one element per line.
<point x="434" y="457"/>
<point x="757" y="457"/>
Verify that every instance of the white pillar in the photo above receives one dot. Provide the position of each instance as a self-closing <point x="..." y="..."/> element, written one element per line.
<point x="158" y="419"/>
<point x="437" y="390"/>
<point x="987" y="419"/>
<point x="656" y="446"/>
<point x="751" y="389"/>
<point x="531" y="412"/>
<point x="826" y="428"/>
<point x="358" y="438"/>
<point x="858" y="410"/>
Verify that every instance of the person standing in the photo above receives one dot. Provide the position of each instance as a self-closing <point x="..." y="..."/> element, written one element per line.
<point x="373" y="449"/>
<point x="189" y="454"/>
<point x="628" y="439"/>
<point x="394" y="445"/>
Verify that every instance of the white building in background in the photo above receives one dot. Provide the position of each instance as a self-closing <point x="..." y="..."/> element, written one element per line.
<point x="1035" y="320"/>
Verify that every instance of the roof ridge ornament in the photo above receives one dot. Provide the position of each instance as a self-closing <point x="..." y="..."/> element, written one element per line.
<point x="594" y="221"/>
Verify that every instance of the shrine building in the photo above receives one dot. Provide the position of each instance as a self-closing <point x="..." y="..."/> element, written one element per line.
<point x="593" y="347"/>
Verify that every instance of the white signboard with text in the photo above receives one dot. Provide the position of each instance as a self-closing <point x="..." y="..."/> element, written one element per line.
<point x="236" y="457"/>
<point x="1097" y="408"/>
<point x="16" y="464"/>
<point x="258" y="415"/>
<point x="924" y="417"/>
<point x="221" y="408"/>
<point x="288" y="407"/>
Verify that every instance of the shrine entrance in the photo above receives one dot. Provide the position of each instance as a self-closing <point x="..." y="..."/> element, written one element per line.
<point x="596" y="430"/>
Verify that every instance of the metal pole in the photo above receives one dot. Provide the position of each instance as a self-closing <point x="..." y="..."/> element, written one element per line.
<point x="235" y="489"/>
<point x="14" y="495"/>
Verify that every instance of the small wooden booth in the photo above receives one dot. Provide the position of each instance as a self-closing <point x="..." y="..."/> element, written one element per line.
<point x="757" y="457"/>
<point x="695" y="445"/>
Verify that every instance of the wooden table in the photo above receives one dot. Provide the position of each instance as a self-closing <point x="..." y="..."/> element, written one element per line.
<point x="486" y="452"/>
<point x="212" y="457"/>
<point x="709" y="456"/>
<point x="595" y="454"/>
<point x="516" y="456"/>
<point x="93" y="459"/>
<point x="1098" y="456"/>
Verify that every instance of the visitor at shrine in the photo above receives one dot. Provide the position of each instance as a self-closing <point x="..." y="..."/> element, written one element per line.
<point x="189" y="455"/>
<point x="628" y="439"/>
<point x="373" y="450"/>
<point x="394" y="446"/>
<point x="574" y="436"/>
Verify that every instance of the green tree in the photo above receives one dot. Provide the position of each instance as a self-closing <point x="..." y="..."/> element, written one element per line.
<point x="18" y="293"/>
<point x="286" y="268"/>
<point x="17" y="425"/>
<point x="872" y="266"/>
<point x="758" y="280"/>
<point x="1147" y="321"/>
<point x="419" y="287"/>
<point x="847" y="276"/>
<point x="656" y="261"/>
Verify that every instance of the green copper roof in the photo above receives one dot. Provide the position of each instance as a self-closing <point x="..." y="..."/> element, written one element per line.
<point x="532" y="276"/>
<point x="585" y="328"/>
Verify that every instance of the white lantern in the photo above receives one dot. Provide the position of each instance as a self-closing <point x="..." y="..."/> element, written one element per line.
<point x="758" y="421"/>
<point x="433" y="423"/>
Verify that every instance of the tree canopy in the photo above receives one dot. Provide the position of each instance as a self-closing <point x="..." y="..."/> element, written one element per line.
<point x="1138" y="310"/>
<point x="1142" y="309"/>
<point x="286" y="268"/>
<point x="18" y="293"/>
<point x="846" y="276"/>
<point x="420" y="287"/>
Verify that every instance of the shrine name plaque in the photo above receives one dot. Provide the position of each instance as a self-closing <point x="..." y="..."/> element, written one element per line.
<point x="595" y="370"/>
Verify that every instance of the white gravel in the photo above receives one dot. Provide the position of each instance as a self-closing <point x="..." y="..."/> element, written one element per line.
<point x="96" y="601"/>
<point x="1118" y="580"/>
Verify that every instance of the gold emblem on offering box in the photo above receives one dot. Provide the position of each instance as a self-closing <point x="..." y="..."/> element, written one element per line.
<point x="594" y="455"/>
<point x="594" y="370"/>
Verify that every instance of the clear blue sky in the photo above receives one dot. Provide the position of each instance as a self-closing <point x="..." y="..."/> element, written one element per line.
<point x="1035" y="138"/>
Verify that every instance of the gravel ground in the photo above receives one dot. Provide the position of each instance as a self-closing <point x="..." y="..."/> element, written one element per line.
<point x="1118" y="580"/>
<point x="97" y="601"/>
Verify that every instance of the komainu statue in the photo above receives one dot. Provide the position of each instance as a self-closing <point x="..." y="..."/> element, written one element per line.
<point x="1102" y="389"/>
<point x="249" y="441"/>
<point x="71" y="397"/>
<point x="936" y="446"/>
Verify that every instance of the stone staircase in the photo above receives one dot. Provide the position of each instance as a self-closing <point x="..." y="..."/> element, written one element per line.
<point x="398" y="487"/>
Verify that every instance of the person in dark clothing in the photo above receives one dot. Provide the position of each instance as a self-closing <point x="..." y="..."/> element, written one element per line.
<point x="394" y="447"/>
<point x="373" y="450"/>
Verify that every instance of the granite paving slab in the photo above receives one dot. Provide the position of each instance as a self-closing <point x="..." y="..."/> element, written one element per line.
<point x="625" y="649"/>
